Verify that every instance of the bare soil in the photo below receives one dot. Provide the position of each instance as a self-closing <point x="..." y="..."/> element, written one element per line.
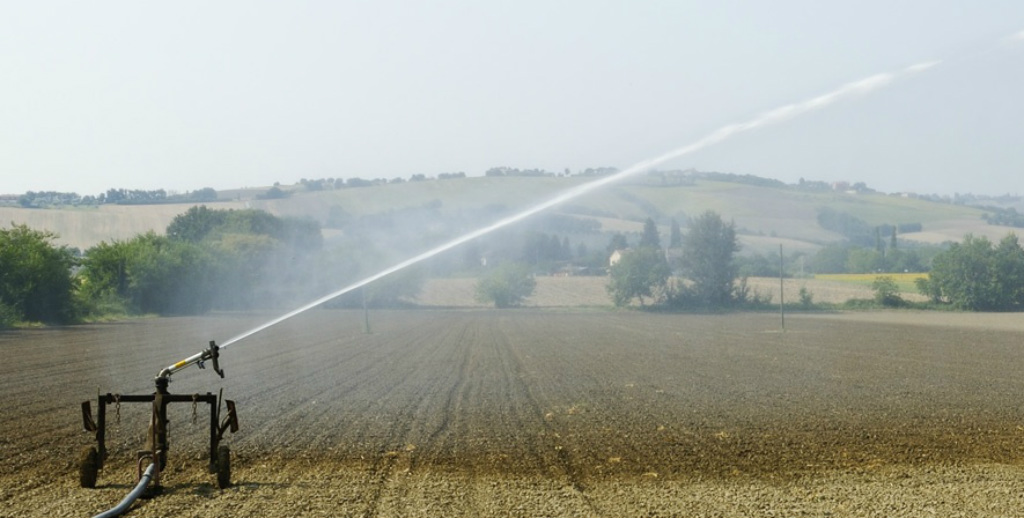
<point x="537" y="413"/>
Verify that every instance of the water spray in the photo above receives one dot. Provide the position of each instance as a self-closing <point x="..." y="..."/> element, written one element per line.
<point x="776" y="116"/>
<point x="154" y="456"/>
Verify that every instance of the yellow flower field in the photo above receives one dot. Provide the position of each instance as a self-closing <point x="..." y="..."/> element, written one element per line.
<point x="905" y="281"/>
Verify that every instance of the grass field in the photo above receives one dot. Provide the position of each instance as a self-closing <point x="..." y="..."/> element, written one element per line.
<point x="85" y="227"/>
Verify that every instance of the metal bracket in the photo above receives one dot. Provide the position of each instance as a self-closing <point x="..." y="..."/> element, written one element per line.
<point x="230" y="421"/>
<point x="213" y="353"/>
<point x="87" y="423"/>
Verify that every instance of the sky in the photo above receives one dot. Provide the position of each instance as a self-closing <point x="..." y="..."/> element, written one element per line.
<point x="187" y="95"/>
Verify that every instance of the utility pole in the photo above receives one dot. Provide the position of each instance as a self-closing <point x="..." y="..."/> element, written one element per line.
<point x="782" y="291"/>
<point x="366" y="314"/>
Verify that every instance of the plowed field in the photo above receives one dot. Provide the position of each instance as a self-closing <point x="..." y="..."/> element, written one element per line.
<point x="537" y="413"/>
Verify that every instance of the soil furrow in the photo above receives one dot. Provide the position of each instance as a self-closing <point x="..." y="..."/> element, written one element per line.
<point x="537" y="413"/>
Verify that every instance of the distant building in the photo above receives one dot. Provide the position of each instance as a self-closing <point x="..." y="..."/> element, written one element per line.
<point x="672" y="255"/>
<point x="617" y="256"/>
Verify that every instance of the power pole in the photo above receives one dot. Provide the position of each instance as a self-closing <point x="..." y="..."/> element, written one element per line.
<point x="782" y="291"/>
<point x="366" y="314"/>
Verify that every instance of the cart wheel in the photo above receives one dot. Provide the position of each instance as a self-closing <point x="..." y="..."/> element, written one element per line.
<point x="223" y="467"/>
<point x="89" y="467"/>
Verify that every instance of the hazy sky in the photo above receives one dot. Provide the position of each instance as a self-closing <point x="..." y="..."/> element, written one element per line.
<point x="185" y="95"/>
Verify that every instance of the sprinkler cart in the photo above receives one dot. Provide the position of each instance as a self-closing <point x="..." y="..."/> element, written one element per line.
<point x="153" y="458"/>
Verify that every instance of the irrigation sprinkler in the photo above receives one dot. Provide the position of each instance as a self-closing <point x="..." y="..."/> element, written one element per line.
<point x="152" y="459"/>
<point x="154" y="456"/>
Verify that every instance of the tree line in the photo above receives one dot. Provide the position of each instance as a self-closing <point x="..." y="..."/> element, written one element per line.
<point x="245" y="259"/>
<point x="974" y="275"/>
<point x="978" y="275"/>
<point x="208" y="259"/>
<point x="699" y="269"/>
<point x="41" y="199"/>
<point x="705" y="264"/>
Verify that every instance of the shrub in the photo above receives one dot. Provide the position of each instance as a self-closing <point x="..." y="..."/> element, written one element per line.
<point x="35" y="275"/>
<point x="751" y="298"/>
<point x="8" y="316"/>
<point x="806" y="298"/>
<point x="640" y="273"/>
<point x="506" y="286"/>
<point x="887" y="293"/>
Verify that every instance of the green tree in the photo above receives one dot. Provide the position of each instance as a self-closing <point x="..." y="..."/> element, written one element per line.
<point x="887" y="292"/>
<point x="36" y="283"/>
<point x="977" y="275"/>
<point x="173" y="277"/>
<point x="8" y="316"/>
<point x="275" y="193"/>
<point x="505" y="286"/>
<point x="650" y="237"/>
<point x="757" y="265"/>
<point x="962" y="274"/>
<point x="247" y="271"/>
<point x="203" y="224"/>
<point x="617" y="242"/>
<point x="899" y="260"/>
<point x="1008" y="265"/>
<point x="170" y="277"/>
<point x="929" y="288"/>
<point x="853" y="228"/>
<point x="806" y="298"/>
<point x="227" y="259"/>
<point x="104" y="277"/>
<point x="640" y="273"/>
<point x="707" y="259"/>
<point x="301" y="234"/>
<point x="152" y="274"/>
<point x="831" y="258"/>
<point x="676" y="235"/>
<point x="540" y="248"/>
<point x="582" y="251"/>
<point x="195" y="224"/>
<point x="865" y="260"/>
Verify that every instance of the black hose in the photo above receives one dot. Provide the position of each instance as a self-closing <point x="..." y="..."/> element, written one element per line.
<point x="127" y="502"/>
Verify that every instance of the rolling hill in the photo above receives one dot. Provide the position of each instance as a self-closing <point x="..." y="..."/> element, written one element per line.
<point x="765" y="216"/>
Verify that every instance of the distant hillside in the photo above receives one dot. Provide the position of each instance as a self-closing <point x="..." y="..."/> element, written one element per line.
<point x="86" y="226"/>
<point x="766" y="215"/>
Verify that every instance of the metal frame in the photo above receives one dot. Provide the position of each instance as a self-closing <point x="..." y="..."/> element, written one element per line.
<point x="157" y="443"/>
<point x="156" y="447"/>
